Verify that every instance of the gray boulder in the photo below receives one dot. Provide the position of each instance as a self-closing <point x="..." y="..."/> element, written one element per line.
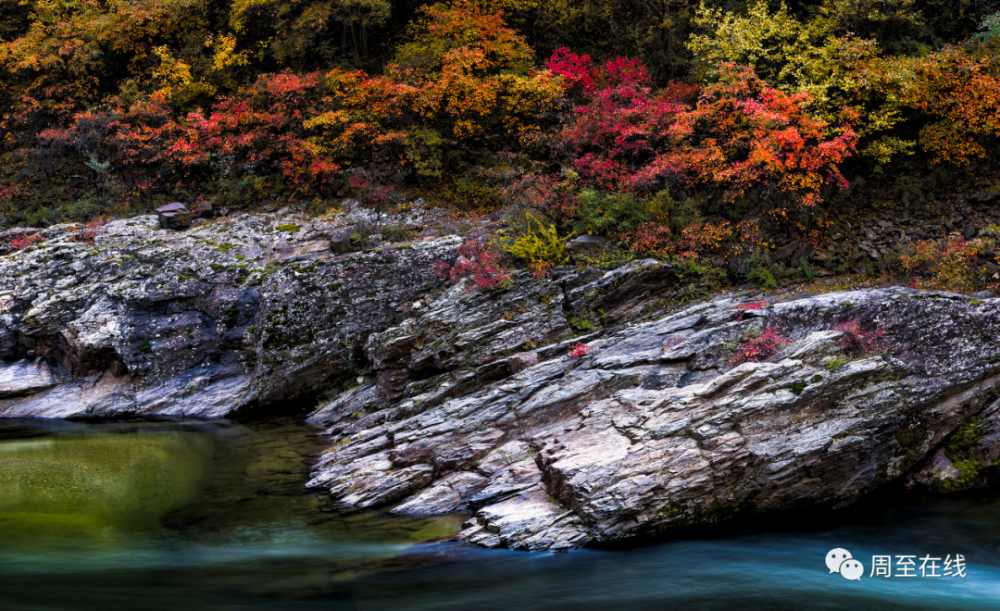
<point x="656" y="426"/>
<point x="174" y="216"/>
<point x="210" y="321"/>
<point x="586" y="246"/>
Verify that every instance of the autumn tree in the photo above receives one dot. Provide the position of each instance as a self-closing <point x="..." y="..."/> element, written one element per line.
<point x="464" y="82"/>
<point x="819" y="57"/>
<point x="954" y="92"/>
<point x="740" y="136"/>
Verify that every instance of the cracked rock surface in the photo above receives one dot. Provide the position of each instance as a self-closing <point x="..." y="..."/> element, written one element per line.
<point x="654" y="427"/>
<point x="450" y="399"/>
<point x="228" y="315"/>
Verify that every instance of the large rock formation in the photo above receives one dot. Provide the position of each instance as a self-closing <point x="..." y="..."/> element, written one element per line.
<point x="559" y="411"/>
<point x="655" y="426"/>
<point x="229" y="315"/>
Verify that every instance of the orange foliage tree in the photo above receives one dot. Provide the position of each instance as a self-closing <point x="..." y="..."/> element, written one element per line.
<point x="465" y="83"/>
<point x="749" y="138"/>
<point x="463" y="87"/>
<point x="741" y="136"/>
<point x="951" y="97"/>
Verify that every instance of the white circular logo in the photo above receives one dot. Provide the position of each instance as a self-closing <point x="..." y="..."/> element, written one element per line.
<point x="836" y="557"/>
<point x="852" y="570"/>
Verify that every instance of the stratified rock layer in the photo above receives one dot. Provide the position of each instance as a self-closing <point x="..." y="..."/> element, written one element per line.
<point x="228" y="315"/>
<point x="560" y="411"/>
<point x="655" y="426"/>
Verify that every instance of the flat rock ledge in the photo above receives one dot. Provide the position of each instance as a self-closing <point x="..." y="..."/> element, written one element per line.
<point x="655" y="427"/>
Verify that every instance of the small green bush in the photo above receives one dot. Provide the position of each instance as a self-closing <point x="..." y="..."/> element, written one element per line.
<point x="470" y="195"/>
<point x="614" y="214"/>
<point x="759" y="274"/>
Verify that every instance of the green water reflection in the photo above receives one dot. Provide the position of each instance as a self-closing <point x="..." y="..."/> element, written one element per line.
<point x="198" y="512"/>
<point x="97" y="485"/>
<point x="113" y="481"/>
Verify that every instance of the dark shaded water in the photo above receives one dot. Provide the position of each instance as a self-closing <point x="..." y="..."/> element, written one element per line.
<point x="193" y="516"/>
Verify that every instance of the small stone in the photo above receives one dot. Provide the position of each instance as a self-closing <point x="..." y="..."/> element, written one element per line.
<point x="344" y="242"/>
<point x="523" y="360"/>
<point x="871" y="250"/>
<point x="586" y="245"/>
<point x="986" y="197"/>
<point x="174" y="216"/>
<point x="304" y="250"/>
<point x="786" y="251"/>
<point x="938" y="471"/>
<point x="203" y="210"/>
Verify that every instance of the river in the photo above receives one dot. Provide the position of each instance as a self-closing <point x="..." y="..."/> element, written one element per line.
<point x="213" y="516"/>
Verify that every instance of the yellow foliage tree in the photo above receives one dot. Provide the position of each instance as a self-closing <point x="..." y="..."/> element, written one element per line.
<point x="813" y="56"/>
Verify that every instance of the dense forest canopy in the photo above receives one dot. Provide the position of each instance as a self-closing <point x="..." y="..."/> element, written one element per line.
<point x="666" y="125"/>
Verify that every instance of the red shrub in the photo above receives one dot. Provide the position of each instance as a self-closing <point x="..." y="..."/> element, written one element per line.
<point x="476" y="262"/>
<point x="575" y="70"/>
<point x="541" y="269"/>
<point x="757" y="347"/>
<point x="577" y="350"/>
<point x="620" y="126"/>
<point x="86" y="232"/>
<point x="22" y="242"/>
<point x="747" y="307"/>
<point x="858" y="342"/>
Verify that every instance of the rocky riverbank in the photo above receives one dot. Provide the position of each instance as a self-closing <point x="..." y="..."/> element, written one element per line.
<point x="576" y="409"/>
<point x="221" y="318"/>
<point x="654" y="426"/>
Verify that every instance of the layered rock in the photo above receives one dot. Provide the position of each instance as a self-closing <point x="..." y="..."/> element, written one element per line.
<point x="564" y="411"/>
<point x="654" y="427"/>
<point x="174" y="216"/>
<point x="226" y="316"/>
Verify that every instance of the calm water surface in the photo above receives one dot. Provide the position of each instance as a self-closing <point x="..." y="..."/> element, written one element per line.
<point x="194" y="516"/>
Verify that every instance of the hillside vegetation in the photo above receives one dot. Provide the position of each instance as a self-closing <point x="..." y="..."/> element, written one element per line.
<point x="673" y="128"/>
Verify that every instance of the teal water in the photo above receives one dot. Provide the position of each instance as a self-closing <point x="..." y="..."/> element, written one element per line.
<point x="196" y="516"/>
